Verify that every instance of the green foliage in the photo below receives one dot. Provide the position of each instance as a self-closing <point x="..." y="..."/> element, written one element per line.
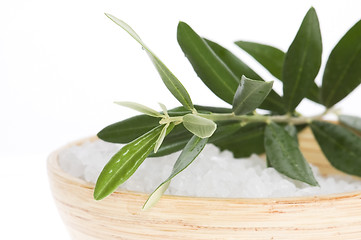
<point x="249" y="95"/>
<point x="189" y="153"/>
<point x="341" y="146"/>
<point x="343" y="69"/>
<point x="245" y="141"/>
<point x="270" y="57"/>
<point x="213" y="72"/>
<point x="284" y="155"/>
<point x="140" y="108"/>
<point x="174" y="141"/>
<point x="124" y="163"/>
<point x="172" y="83"/>
<point x="273" y="102"/>
<point x="199" y="126"/>
<point x="240" y="128"/>
<point x="302" y="61"/>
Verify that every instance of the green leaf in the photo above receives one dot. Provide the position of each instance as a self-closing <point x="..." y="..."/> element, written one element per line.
<point x="125" y="162"/>
<point x="249" y="95"/>
<point x="341" y="147"/>
<point x="140" y="108"/>
<point x="161" y="137"/>
<point x="236" y="65"/>
<point x="352" y="122"/>
<point x="273" y="102"/>
<point x="199" y="126"/>
<point x="190" y="152"/>
<point x="302" y="61"/>
<point x="179" y="137"/>
<point x="156" y="195"/>
<point x="164" y="109"/>
<point x="210" y="69"/>
<point x="293" y="132"/>
<point x="174" y="141"/>
<point x="285" y="156"/>
<point x="245" y="141"/>
<point x="343" y="68"/>
<point x="171" y="82"/>
<point x="128" y="129"/>
<point x="270" y="57"/>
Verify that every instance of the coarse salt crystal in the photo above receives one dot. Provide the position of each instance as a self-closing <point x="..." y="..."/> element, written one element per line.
<point x="212" y="174"/>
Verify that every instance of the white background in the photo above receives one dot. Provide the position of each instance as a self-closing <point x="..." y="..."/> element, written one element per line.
<point x="63" y="63"/>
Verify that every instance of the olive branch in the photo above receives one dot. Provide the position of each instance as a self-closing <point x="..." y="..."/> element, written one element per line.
<point x="240" y="129"/>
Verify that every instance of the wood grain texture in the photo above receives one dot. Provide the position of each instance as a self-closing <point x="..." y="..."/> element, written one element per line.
<point x="119" y="216"/>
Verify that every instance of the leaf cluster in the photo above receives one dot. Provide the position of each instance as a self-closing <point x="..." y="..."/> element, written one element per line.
<point x="239" y="128"/>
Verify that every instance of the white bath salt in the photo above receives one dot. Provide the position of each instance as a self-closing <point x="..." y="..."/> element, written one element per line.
<point x="212" y="174"/>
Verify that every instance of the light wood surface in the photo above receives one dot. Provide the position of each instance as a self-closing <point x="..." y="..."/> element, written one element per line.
<point x="120" y="216"/>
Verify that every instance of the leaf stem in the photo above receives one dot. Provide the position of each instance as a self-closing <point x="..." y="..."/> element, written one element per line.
<point x="166" y="120"/>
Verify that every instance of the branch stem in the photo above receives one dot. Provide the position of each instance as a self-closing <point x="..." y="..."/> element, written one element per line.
<point x="260" y="118"/>
<point x="287" y="118"/>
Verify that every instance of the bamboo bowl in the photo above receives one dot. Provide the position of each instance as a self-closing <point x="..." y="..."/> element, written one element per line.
<point x="119" y="216"/>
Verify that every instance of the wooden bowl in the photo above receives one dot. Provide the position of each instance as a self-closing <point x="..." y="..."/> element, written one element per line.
<point x="119" y="216"/>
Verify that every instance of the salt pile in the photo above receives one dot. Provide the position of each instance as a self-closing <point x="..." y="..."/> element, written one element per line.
<point x="212" y="174"/>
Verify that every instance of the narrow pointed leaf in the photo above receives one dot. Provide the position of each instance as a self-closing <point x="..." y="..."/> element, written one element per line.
<point x="341" y="147"/>
<point x="190" y="152"/>
<point x="156" y="195"/>
<point x="285" y="156"/>
<point x="171" y="82"/>
<point x="161" y="137"/>
<point x="249" y="95"/>
<point x="140" y="108"/>
<point x="293" y="132"/>
<point x="199" y="126"/>
<point x="270" y="57"/>
<point x="236" y="65"/>
<point x="164" y="109"/>
<point x="352" y="122"/>
<point x="209" y="68"/>
<point x="343" y="68"/>
<point x="273" y="101"/>
<point x="302" y="61"/>
<point x="173" y="143"/>
<point x="125" y="162"/>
